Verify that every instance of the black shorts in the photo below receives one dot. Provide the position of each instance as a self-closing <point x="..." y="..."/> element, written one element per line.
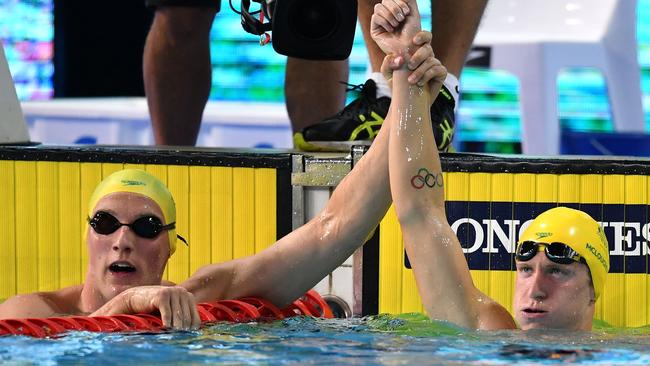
<point x="188" y="3"/>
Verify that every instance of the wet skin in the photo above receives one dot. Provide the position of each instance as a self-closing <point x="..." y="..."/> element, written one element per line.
<point x="552" y="295"/>
<point x="122" y="259"/>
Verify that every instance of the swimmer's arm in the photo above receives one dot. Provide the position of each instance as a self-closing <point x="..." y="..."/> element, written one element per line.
<point x="441" y="272"/>
<point x="416" y="184"/>
<point x="297" y="262"/>
<point x="439" y="266"/>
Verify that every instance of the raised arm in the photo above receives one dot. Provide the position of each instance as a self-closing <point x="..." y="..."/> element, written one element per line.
<point x="296" y="263"/>
<point x="417" y="186"/>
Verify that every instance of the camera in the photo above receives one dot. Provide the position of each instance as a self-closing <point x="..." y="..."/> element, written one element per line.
<point x="307" y="29"/>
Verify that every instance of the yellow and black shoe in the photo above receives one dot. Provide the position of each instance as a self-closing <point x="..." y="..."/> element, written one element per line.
<point x="359" y="122"/>
<point x="443" y="120"/>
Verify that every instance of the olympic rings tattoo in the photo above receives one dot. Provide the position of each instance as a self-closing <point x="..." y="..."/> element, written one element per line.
<point x="424" y="178"/>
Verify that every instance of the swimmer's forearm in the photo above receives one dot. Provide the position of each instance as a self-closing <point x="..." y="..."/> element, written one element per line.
<point x="287" y="269"/>
<point x="415" y="170"/>
<point x="417" y="186"/>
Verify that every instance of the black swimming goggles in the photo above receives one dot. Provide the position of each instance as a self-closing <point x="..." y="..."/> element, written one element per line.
<point x="147" y="227"/>
<point x="555" y="252"/>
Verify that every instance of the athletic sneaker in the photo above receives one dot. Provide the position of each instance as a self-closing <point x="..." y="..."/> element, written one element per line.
<point x="359" y="122"/>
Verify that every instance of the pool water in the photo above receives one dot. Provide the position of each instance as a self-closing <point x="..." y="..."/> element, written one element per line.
<point x="378" y="340"/>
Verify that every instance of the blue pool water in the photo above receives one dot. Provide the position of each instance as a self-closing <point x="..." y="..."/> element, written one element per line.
<point x="380" y="340"/>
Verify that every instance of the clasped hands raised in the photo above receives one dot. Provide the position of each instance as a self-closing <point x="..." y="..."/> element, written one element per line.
<point x="396" y="28"/>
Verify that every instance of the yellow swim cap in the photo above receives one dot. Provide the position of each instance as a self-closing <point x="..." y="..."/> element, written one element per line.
<point x="577" y="230"/>
<point x="141" y="182"/>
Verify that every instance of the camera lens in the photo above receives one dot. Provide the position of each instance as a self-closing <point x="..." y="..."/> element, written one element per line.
<point x="314" y="19"/>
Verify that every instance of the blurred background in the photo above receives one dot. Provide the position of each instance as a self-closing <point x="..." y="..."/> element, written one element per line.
<point x="61" y="49"/>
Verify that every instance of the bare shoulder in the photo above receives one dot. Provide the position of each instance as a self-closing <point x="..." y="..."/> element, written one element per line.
<point x="42" y="304"/>
<point x="493" y="316"/>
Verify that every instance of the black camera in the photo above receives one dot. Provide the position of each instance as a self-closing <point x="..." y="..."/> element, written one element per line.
<point x="308" y="29"/>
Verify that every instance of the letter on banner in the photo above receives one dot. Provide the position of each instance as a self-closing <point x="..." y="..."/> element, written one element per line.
<point x="478" y="230"/>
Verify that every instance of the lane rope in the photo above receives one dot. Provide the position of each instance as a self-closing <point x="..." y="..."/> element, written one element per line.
<point x="244" y="310"/>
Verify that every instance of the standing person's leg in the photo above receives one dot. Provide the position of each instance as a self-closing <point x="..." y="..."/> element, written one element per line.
<point x="375" y="54"/>
<point x="453" y="25"/>
<point x="313" y="90"/>
<point x="357" y="121"/>
<point x="177" y="71"/>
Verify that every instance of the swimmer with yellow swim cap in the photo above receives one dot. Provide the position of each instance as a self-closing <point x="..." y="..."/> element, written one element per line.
<point x="562" y="258"/>
<point x="562" y="262"/>
<point x="130" y="237"/>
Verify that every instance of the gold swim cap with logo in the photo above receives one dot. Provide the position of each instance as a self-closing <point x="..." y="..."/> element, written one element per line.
<point x="140" y="182"/>
<point x="577" y="230"/>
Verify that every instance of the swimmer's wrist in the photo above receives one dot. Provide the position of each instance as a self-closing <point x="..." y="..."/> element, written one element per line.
<point x="402" y="58"/>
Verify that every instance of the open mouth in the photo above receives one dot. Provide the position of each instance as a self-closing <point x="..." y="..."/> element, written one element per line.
<point x="122" y="267"/>
<point x="534" y="311"/>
